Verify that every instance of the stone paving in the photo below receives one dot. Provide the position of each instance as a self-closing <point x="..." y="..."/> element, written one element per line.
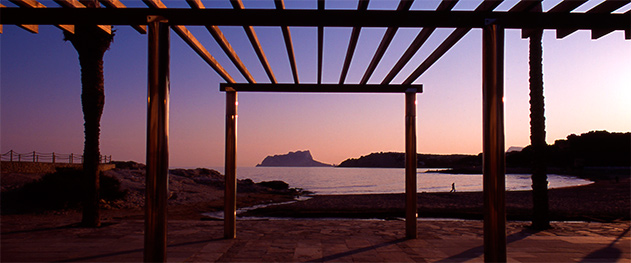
<point x="313" y="240"/>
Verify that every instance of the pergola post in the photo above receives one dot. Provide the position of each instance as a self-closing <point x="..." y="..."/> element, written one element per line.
<point x="493" y="143"/>
<point x="410" y="165"/>
<point x="157" y="141"/>
<point x="230" y="194"/>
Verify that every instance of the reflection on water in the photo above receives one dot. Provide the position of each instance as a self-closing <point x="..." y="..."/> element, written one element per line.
<point x="336" y="180"/>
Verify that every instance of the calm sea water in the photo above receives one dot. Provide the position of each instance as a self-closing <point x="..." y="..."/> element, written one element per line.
<point x="336" y="180"/>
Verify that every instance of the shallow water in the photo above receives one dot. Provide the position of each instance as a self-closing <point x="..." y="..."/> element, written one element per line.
<point x="337" y="180"/>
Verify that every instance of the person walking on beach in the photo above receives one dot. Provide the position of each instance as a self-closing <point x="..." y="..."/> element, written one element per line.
<point x="453" y="188"/>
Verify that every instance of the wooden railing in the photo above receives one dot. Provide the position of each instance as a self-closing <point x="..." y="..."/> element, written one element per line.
<point x="37" y="157"/>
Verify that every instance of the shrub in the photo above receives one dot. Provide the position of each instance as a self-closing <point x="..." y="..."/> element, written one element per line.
<point x="60" y="190"/>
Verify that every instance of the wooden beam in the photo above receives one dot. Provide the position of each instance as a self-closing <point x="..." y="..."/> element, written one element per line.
<point x="317" y="88"/>
<point x="224" y="44"/>
<point x="77" y="4"/>
<point x="35" y="4"/>
<point x="417" y="43"/>
<point x="157" y="178"/>
<point x="188" y="37"/>
<point x="142" y="29"/>
<point x="494" y="166"/>
<point x="606" y="7"/>
<point x="411" y="163"/>
<point x="352" y="44"/>
<point x="404" y="5"/>
<point x="230" y="167"/>
<point x="527" y="6"/>
<point x="314" y="18"/>
<point x="254" y="40"/>
<point x="280" y="5"/>
<point x="450" y="41"/>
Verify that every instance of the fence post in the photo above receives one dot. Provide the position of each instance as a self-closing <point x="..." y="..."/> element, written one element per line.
<point x="70" y="159"/>
<point x="53" y="157"/>
<point x="11" y="153"/>
<point x="33" y="156"/>
<point x="19" y="157"/>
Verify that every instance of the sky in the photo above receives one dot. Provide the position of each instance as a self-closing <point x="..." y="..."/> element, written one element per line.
<point x="587" y="87"/>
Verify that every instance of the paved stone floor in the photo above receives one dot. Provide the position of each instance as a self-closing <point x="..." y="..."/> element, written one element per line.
<point x="314" y="240"/>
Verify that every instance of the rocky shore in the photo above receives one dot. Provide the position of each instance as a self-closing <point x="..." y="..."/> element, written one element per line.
<point x="197" y="191"/>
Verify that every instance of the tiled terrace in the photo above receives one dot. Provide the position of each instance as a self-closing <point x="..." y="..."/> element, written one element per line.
<point x="312" y="240"/>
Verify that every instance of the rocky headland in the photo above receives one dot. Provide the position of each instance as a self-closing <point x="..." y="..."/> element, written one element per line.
<point x="292" y="159"/>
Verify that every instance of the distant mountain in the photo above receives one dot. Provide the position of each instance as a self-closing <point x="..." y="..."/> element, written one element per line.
<point x="292" y="159"/>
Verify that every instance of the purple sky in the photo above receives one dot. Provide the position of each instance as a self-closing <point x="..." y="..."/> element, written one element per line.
<point x="587" y="87"/>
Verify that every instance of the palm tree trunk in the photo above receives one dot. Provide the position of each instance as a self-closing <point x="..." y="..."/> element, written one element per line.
<point x="91" y="44"/>
<point x="540" y="218"/>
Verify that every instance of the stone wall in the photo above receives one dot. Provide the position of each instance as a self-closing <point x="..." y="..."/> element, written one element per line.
<point x="33" y="167"/>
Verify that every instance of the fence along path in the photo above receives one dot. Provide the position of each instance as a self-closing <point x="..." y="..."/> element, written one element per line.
<point x="37" y="157"/>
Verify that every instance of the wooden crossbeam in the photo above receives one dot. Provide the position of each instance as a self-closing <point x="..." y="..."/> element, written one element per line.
<point x="404" y="5"/>
<point x="224" y="44"/>
<point x="280" y="5"/>
<point x="527" y="6"/>
<point x="317" y="88"/>
<point x="142" y="29"/>
<point x="35" y="4"/>
<point x="77" y="4"/>
<point x="606" y="7"/>
<point x="450" y="41"/>
<point x="314" y="18"/>
<point x="352" y="44"/>
<point x="417" y="43"/>
<point x="603" y="8"/>
<point x="254" y="40"/>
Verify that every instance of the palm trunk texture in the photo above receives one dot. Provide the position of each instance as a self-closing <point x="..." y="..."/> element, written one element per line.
<point x="91" y="44"/>
<point x="540" y="219"/>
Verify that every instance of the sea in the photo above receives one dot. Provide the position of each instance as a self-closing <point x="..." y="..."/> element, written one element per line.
<point x="342" y="180"/>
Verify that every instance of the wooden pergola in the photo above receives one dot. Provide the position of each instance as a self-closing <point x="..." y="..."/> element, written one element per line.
<point x="159" y="19"/>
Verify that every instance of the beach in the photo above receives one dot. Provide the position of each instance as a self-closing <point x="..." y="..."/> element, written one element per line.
<point x="190" y="197"/>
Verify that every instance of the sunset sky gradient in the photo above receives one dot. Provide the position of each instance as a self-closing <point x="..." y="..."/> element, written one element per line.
<point x="587" y="87"/>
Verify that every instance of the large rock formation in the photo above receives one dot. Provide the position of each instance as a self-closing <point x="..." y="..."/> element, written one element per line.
<point x="292" y="159"/>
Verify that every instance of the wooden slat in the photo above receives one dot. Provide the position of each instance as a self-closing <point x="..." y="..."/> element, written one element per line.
<point x="417" y="43"/>
<point x="142" y="29"/>
<point x="280" y="5"/>
<point x="188" y="37"/>
<point x="320" y="44"/>
<point x="404" y="5"/>
<point x="77" y="4"/>
<point x="352" y="44"/>
<point x="1" y="28"/>
<point x="254" y="40"/>
<point x="35" y="4"/>
<point x="450" y="41"/>
<point x="224" y="44"/>
<point x="316" y="88"/>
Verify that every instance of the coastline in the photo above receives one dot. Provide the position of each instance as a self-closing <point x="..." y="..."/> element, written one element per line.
<point x="602" y="201"/>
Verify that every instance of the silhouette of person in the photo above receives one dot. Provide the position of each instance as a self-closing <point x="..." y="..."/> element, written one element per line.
<point x="453" y="187"/>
